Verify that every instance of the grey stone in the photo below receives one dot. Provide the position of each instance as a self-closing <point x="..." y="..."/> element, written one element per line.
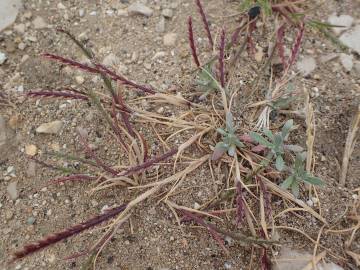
<point x="170" y="39"/>
<point x="347" y="61"/>
<point x="20" y="28"/>
<point x="140" y="9"/>
<point x="50" y="128"/>
<point x="81" y="12"/>
<point x="9" y="10"/>
<point x="3" y="58"/>
<point x="7" y="139"/>
<point x="351" y="38"/>
<point x="357" y="67"/>
<point x="12" y="191"/>
<point x="306" y="65"/>
<point x="167" y="13"/>
<point x="290" y="259"/>
<point x="160" y="26"/>
<point x="342" y="20"/>
<point x="111" y="60"/>
<point x="30" y="220"/>
<point x="39" y="23"/>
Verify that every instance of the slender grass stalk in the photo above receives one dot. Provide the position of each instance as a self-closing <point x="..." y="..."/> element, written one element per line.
<point x="222" y="59"/>
<point x="100" y="164"/>
<point x="98" y="69"/>
<point x="296" y="47"/>
<point x="71" y="231"/>
<point x="280" y="44"/>
<point x="205" y="22"/>
<point x="57" y="94"/>
<point x="149" y="163"/>
<point x="51" y="167"/>
<point x="73" y="178"/>
<point x="209" y="227"/>
<point x="240" y="208"/>
<point x="192" y="43"/>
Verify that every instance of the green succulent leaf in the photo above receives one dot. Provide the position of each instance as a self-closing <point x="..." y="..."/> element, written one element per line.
<point x="279" y="163"/>
<point x="278" y="140"/>
<point x="229" y="122"/>
<point x="232" y="150"/>
<point x="219" y="150"/>
<point x="293" y="148"/>
<point x="288" y="182"/>
<point x="268" y="133"/>
<point x="313" y="180"/>
<point x="206" y="78"/>
<point x="295" y="189"/>
<point x="238" y="143"/>
<point x="286" y="128"/>
<point x="260" y="139"/>
<point x="221" y="131"/>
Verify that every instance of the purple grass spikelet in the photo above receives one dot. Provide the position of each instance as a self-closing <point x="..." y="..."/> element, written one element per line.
<point x="98" y="69"/>
<point x="73" y="178"/>
<point x="205" y="22"/>
<point x="200" y="221"/>
<point x="240" y="208"/>
<point x="280" y="44"/>
<point x="148" y="163"/>
<point x="267" y="198"/>
<point x="296" y="48"/>
<point x="192" y="42"/>
<point x="58" y="236"/>
<point x="222" y="58"/>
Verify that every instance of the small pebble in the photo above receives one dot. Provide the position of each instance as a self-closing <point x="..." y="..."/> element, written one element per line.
<point x="12" y="191"/>
<point x="160" y="26"/>
<point x="61" y="6"/>
<point x="170" y="39"/>
<point x="167" y="13"/>
<point x="140" y="9"/>
<point x="39" y="23"/>
<point x="2" y="58"/>
<point x="81" y="12"/>
<point x="50" y="128"/>
<point x="79" y="79"/>
<point x="31" y="150"/>
<point x="227" y="265"/>
<point x="30" y="220"/>
<point x="22" y="46"/>
<point x="347" y="61"/>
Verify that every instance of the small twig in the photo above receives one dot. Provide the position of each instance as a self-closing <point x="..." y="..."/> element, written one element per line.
<point x="349" y="145"/>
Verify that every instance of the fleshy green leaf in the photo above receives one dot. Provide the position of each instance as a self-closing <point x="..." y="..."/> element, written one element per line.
<point x="221" y="131"/>
<point x="238" y="143"/>
<point x="229" y="122"/>
<point x="313" y="180"/>
<point x="288" y="182"/>
<point x="286" y="128"/>
<point x="219" y="150"/>
<point x="278" y="140"/>
<point x="293" y="148"/>
<point x="268" y="134"/>
<point x="299" y="163"/>
<point x="295" y="188"/>
<point x="232" y="150"/>
<point x="279" y="163"/>
<point x="206" y="79"/>
<point x="260" y="139"/>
